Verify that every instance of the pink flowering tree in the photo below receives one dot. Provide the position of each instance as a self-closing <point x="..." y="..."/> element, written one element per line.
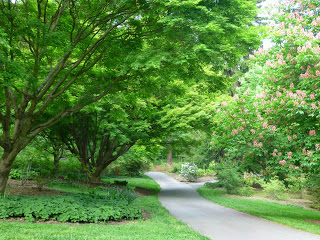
<point x="277" y="129"/>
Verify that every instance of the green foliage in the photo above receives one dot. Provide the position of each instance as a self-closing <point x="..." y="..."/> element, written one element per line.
<point x="161" y="223"/>
<point x="275" y="189"/>
<point x="189" y="171"/>
<point x="134" y="167"/>
<point x="295" y="184"/>
<point x="229" y="176"/>
<point x="15" y="174"/>
<point x="214" y="185"/>
<point x="71" y="207"/>
<point x="205" y="172"/>
<point x="272" y="126"/>
<point x="246" y="191"/>
<point x="312" y="184"/>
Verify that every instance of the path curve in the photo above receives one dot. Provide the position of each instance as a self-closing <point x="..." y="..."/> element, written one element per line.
<point x="217" y="222"/>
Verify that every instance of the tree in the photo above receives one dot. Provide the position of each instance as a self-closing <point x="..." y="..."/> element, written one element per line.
<point x="275" y="127"/>
<point x="59" y="56"/>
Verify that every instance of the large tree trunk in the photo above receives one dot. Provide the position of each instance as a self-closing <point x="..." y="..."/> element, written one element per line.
<point x="5" y="167"/>
<point x="95" y="177"/>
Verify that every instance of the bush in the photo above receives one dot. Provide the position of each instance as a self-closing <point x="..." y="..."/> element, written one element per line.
<point x="189" y="171"/>
<point x="312" y="183"/>
<point x="296" y="184"/>
<point x="213" y="185"/>
<point x="176" y="168"/>
<point x="275" y="189"/>
<point x="230" y="178"/>
<point x="134" y="166"/>
<point x="205" y="172"/>
<point x="246" y="191"/>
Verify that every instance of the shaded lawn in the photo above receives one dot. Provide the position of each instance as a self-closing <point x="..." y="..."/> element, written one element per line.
<point x="292" y="216"/>
<point x="161" y="226"/>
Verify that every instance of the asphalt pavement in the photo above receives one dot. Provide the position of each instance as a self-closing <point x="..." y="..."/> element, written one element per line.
<point x="217" y="222"/>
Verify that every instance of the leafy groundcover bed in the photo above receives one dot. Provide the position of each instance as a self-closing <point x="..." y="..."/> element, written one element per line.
<point x="83" y="208"/>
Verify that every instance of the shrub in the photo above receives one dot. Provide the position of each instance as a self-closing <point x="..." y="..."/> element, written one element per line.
<point x="246" y="191"/>
<point x="275" y="189"/>
<point x="15" y="174"/>
<point x="134" y="166"/>
<point x="205" y="172"/>
<point x="296" y="184"/>
<point x="230" y="178"/>
<point x="189" y="171"/>
<point x="312" y="183"/>
<point x="213" y="185"/>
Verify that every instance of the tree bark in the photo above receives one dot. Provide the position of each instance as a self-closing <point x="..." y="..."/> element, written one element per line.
<point x="5" y="167"/>
<point x="95" y="177"/>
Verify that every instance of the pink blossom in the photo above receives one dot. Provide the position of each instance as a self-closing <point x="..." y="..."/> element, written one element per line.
<point x="274" y="154"/>
<point x="318" y="73"/>
<point x="234" y="132"/>
<point x="247" y="92"/>
<point x="294" y="136"/>
<point x="312" y="95"/>
<point x="289" y="138"/>
<point x="278" y="94"/>
<point x="296" y="168"/>
<point x="249" y="144"/>
<point x="218" y="111"/>
<point x="279" y="154"/>
<point x="312" y="132"/>
<point x="309" y="153"/>
<point x="236" y="97"/>
<point x="223" y="104"/>
<point x="253" y="131"/>
<point x="265" y="124"/>
<point x="314" y="106"/>
<point x="291" y="85"/>
<point x="304" y="152"/>
<point x="240" y="129"/>
<point x="273" y="128"/>
<point x="214" y="134"/>
<point x="260" y="118"/>
<point x="317" y="147"/>
<point x="283" y="162"/>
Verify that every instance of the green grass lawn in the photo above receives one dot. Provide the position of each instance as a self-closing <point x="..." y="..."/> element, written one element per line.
<point x="160" y="226"/>
<point x="292" y="216"/>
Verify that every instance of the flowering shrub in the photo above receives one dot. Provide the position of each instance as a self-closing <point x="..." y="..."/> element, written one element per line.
<point x="277" y="129"/>
<point x="189" y="171"/>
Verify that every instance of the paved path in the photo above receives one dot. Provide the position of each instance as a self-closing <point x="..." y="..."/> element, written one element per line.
<point x="215" y="221"/>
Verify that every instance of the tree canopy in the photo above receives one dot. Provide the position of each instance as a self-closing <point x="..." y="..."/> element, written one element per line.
<point x="59" y="56"/>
